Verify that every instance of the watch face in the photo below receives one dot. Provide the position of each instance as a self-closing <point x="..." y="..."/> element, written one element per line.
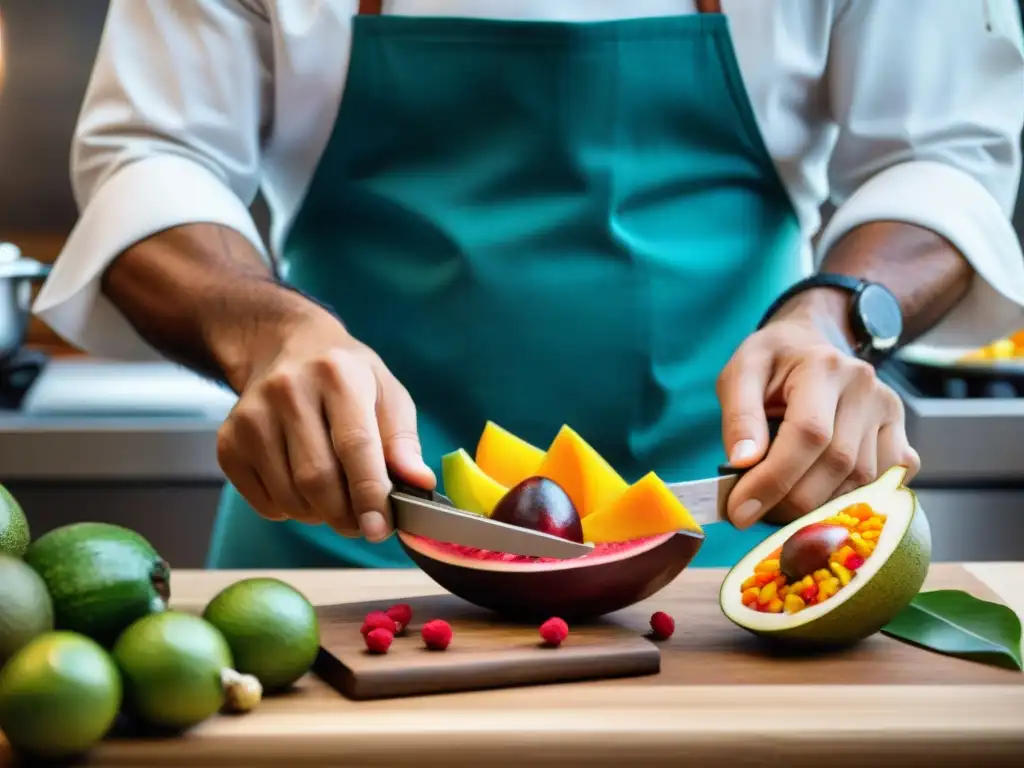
<point x="881" y="316"/>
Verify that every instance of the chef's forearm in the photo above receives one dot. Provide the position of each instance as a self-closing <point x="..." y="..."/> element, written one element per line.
<point x="202" y="296"/>
<point x="925" y="272"/>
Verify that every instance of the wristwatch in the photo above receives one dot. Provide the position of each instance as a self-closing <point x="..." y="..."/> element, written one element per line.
<point x="874" y="312"/>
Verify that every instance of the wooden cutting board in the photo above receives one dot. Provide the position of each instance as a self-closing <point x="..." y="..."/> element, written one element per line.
<point x="484" y="653"/>
<point x="707" y="649"/>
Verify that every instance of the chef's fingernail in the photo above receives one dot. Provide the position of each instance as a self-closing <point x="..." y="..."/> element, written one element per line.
<point x="746" y="513"/>
<point x="743" y="450"/>
<point x="373" y="526"/>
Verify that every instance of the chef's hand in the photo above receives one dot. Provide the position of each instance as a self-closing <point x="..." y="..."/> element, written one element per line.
<point x="841" y="426"/>
<point x="318" y="422"/>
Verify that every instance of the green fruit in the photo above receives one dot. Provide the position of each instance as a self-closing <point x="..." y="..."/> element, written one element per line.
<point x="271" y="627"/>
<point x="59" y="695"/>
<point x="14" y="530"/>
<point x="176" y="669"/>
<point x="882" y="587"/>
<point x="101" y="577"/>
<point x="26" y="610"/>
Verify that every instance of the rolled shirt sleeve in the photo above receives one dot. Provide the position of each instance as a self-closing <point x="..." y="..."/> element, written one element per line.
<point x="169" y="134"/>
<point x="929" y="100"/>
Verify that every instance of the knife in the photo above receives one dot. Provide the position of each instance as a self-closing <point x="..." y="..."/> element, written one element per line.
<point x="431" y="514"/>
<point x="706" y="499"/>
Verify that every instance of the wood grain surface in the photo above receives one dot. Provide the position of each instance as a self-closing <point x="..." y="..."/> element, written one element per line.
<point x="830" y="711"/>
<point x="483" y="653"/>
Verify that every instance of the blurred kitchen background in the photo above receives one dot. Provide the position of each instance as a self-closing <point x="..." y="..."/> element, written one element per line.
<point x="134" y="444"/>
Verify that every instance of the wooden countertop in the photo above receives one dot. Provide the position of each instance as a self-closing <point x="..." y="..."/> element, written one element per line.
<point x="624" y="723"/>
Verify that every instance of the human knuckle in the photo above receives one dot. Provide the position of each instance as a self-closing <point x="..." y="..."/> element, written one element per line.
<point x="814" y="432"/>
<point x="314" y="477"/>
<point x="862" y="372"/>
<point x="862" y="474"/>
<point x="282" y="386"/>
<point x="365" y="492"/>
<point x="830" y="359"/>
<point x="840" y="457"/>
<point x="352" y="440"/>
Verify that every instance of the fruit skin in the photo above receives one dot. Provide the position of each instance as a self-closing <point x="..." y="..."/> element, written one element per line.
<point x="101" y="577"/>
<point x="467" y="486"/>
<point x="59" y="695"/>
<point x="26" y="610"/>
<point x="662" y="625"/>
<point x="506" y="457"/>
<point x="879" y="598"/>
<point x="541" y="505"/>
<point x="379" y="640"/>
<point x="15" y="533"/>
<point x="172" y="665"/>
<point x="402" y="615"/>
<point x="554" y="631"/>
<point x="271" y="628"/>
<point x="436" y="634"/>
<point x="808" y="550"/>
<point x="378" y="620"/>
<point x="611" y="578"/>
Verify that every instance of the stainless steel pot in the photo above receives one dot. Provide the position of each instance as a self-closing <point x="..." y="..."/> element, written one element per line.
<point x="17" y="274"/>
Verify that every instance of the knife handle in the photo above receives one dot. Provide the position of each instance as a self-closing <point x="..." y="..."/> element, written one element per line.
<point x="401" y="486"/>
<point x="773" y="431"/>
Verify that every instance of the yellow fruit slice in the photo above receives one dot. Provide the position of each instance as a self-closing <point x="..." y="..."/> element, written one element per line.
<point x="589" y="480"/>
<point x="508" y="459"/>
<point x="646" y="508"/>
<point x="468" y="486"/>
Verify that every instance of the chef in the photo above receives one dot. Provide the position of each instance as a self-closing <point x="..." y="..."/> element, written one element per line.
<point x="603" y="213"/>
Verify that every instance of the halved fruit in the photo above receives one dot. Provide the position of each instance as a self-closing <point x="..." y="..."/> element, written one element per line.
<point x="646" y="508"/>
<point x="589" y="480"/>
<point x="506" y="457"/>
<point x="870" y="577"/>
<point x="469" y="487"/>
<point x="612" y="577"/>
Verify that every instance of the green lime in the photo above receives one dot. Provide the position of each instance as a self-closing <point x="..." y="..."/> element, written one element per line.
<point x="59" y="695"/>
<point x="172" y="665"/>
<point x="14" y="531"/>
<point x="26" y="610"/>
<point x="271" y="627"/>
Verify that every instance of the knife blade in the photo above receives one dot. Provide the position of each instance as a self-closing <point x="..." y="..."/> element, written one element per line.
<point x="707" y="499"/>
<point x="429" y="514"/>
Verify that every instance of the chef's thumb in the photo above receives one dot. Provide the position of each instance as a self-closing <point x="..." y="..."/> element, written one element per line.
<point x="396" y="418"/>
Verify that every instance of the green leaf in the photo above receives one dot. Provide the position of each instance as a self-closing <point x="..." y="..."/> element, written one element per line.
<point x="956" y="623"/>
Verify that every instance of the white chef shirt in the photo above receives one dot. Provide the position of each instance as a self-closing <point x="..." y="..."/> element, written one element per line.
<point x="896" y="109"/>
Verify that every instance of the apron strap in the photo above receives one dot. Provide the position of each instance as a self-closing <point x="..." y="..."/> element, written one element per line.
<point x="373" y="7"/>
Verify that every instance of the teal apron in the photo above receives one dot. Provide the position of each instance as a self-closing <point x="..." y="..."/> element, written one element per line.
<point x="541" y="223"/>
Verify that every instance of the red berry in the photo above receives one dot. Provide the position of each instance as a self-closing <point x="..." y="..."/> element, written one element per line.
<point x="554" y="631"/>
<point x="402" y="615"/>
<point x="662" y="625"/>
<point x="379" y="620"/>
<point x="379" y="640"/>
<point x="437" y="634"/>
<point x="853" y="562"/>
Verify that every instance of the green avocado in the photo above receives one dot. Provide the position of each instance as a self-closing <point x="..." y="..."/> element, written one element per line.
<point x="101" y="578"/>
<point x="14" y="530"/>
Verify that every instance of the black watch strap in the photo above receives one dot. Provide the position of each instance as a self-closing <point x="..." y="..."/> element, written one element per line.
<point x="874" y="313"/>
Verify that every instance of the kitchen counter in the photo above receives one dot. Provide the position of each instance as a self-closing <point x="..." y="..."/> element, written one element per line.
<point x="626" y="722"/>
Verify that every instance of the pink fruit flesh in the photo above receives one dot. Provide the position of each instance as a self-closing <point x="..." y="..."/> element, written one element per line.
<point x="541" y="505"/>
<point x="808" y="550"/>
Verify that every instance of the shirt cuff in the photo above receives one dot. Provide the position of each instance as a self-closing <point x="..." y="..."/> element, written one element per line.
<point x="954" y="204"/>
<point x="144" y="198"/>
